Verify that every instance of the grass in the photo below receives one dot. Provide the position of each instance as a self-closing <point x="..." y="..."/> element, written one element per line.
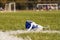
<point x="16" y="21"/>
<point x="41" y="36"/>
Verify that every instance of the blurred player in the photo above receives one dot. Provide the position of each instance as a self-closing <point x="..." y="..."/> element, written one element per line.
<point x="30" y="25"/>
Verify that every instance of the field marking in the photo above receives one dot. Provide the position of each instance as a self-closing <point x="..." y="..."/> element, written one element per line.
<point x="25" y="31"/>
<point x="8" y="35"/>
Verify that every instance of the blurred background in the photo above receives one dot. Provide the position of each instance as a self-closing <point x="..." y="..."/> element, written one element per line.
<point x="30" y="4"/>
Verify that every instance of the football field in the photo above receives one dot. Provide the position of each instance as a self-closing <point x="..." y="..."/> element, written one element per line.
<point x="16" y="21"/>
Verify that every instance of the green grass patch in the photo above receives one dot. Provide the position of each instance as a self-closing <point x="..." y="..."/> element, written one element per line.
<point x="16" y="21"/>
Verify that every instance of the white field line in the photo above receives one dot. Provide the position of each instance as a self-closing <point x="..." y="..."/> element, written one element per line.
<point x="25" y="31"/>
<point x="7" y="35"/>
